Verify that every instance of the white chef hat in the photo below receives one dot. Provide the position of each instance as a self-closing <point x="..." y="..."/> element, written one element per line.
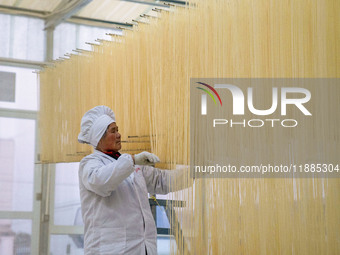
<point x="94" y="124"/>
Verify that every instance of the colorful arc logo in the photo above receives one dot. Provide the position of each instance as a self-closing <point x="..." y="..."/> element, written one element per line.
<point x="209" y="93"/>
<point x="204" y="96"/>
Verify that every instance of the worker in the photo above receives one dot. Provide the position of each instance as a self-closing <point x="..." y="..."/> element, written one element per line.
<point x="114" y="190"/>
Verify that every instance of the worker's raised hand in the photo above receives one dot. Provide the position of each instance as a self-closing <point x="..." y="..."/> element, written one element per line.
<point x="146" y="158"/>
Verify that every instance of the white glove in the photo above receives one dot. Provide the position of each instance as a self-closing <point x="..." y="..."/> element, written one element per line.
<point x="146" y="158"/>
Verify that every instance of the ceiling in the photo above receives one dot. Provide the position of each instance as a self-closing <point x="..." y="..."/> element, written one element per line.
<point x="96" y="12"/>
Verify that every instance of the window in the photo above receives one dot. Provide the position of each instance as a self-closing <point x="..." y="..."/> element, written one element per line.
<point x="22" y="38"/>
<point x="15" y="237"/>
<point x="26" y="88"/>
<point x="17" y="148"/>
<point x="67" y="198"/>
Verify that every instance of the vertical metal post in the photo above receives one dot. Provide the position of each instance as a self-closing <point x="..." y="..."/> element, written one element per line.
<point x="49" y="44"/>
<point x="44" y="211"/>
<point x="37" y="195"/>
<point x="36" y="210"/>
<point x="43" y="196"/>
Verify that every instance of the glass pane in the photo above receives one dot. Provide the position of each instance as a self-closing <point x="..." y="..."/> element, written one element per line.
<point x="68" y="37"/>
<point x="26" y="89"/>
<point x="22" y="37"/>
<point x="67" y="200"/>
<point x="15" y="237"/>
<point x="164" y="243"/>
<point x="66" y="244"/>
<point x="162" y="219"/>
<point x="17" y="146"/>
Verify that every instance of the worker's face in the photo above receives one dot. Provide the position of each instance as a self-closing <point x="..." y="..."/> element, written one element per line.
<point x="111" y="140"/>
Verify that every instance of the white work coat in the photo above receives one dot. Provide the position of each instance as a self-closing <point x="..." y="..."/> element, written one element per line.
<point x="115" y="205"/>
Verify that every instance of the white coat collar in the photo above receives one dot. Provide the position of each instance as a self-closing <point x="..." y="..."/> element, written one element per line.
<point x="102" y="154"/>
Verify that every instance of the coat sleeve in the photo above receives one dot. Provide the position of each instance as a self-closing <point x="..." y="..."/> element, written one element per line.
<point x="103" y="179"/>
<point x="164" y="181"/>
